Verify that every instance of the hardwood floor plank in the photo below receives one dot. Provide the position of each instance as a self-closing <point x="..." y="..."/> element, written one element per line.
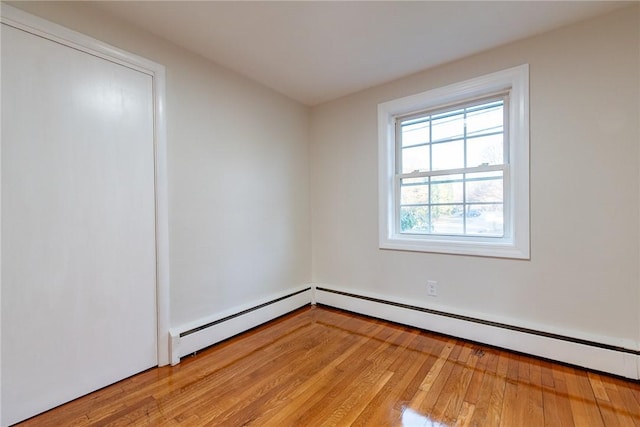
<point x="562" y="414"/>
<point x="582" y="399"/>
<point x="430" y="354"/>
<point x="511" y="403"/>
<point x="613" y="414"/>
<point x="496" y="401"/>
<point x="632" y="405"/>
<point x="465" y="415"/>
<point x="343" y="394"/>
<point x="321" y="366"/>
<point x="207" y="395"/>
<point x="406" y="395"/>
<point x="624" y="399"/>
<point x="316" y="387"/>
<point x="475" y="384"/>
<point x="458" y="386"/>
<point x="482" y="399"/>
<point x="546" y="375"/>
<point x="529" y="403"/>
<point x="356" y="401"/>
<point x="404" y="368"/>
<point x="284" y="373"/>
<point x="253" y="380"/>
<point x="430" y="389"/>
<point x="599" y="390"/>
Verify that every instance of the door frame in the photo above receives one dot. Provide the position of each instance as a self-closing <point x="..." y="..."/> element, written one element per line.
<point x="24" y="21"/>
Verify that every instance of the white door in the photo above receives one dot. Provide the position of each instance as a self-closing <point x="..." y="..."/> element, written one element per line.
<point x="78" y="224"/>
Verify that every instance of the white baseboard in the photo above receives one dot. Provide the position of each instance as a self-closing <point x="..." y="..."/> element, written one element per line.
<point x="596" y="354"/>
<point x="195" y="336"/>
<point x="589" y="354"/>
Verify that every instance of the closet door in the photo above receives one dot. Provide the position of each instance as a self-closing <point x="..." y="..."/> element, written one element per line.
<point x="78" y="224"/>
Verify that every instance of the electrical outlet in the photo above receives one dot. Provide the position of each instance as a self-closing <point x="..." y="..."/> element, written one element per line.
<point x="432" y="288"/>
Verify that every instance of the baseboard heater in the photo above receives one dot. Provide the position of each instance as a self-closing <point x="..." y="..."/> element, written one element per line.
<point x="193" y="337"/>
<point x="613" y="359"/>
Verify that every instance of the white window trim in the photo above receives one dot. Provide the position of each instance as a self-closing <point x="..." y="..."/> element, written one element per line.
<point x="515" y="245"/>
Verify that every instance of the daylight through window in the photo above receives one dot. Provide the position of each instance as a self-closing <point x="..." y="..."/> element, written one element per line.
<point x="451" y="169"/>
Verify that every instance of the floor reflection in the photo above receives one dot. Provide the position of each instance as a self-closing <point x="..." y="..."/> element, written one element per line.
<point x="411" y="418"/>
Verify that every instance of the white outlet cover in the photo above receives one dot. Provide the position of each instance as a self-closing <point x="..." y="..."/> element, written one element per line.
<point x="432" y="288"/>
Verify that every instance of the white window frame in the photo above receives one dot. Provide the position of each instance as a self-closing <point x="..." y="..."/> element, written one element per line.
<point x="515" y="242"/>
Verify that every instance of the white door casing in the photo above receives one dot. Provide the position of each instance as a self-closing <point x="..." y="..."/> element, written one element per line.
<point x="84" y="216"/>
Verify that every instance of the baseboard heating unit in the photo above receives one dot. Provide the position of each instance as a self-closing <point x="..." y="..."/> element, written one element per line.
<point x="195" y="336"/>
<point x="597" y="353"/>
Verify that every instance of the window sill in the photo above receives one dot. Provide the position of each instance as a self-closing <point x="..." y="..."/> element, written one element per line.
<point x="483" y="247"/>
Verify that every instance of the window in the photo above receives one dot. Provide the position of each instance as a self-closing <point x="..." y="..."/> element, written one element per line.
<point x="454" y="168"/>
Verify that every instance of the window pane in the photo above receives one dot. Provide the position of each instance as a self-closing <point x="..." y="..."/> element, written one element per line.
<point x="487" y="118"/>
<point x="486" y="149"/>
<point x="446" y="189"/>
<point x="415" y="158"/>
<point x="448" y="155"/>
<point x="485" y="220"/>
<point x="444" y="222"/>
<point x="484" y="187"/>
<point x="457" y="210"/>
<point x="446" y="126"/>
<point x="414" y="219"/>
<point x="454" y="204"/>
<point x="414" y="191"/>
<point x="415" y="132"/>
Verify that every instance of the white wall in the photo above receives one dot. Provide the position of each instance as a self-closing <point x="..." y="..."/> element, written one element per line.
<point x="583" y="278"/>
<point x="237" y="170"/>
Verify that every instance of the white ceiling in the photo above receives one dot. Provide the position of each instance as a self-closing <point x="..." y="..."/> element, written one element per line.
<point x="315" y="51"/>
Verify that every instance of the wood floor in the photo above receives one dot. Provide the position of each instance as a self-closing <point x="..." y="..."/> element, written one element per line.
<point x="319" y="366"/>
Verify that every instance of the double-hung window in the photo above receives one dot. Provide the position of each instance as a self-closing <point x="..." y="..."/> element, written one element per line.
<point x="454" y="168"/>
